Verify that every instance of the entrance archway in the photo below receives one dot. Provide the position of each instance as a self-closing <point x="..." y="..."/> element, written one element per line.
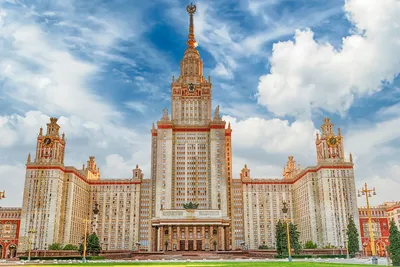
<point x="12" y="251"/>
<point x="1" y="252"/>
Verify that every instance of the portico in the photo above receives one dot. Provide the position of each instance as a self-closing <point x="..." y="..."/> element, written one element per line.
<point x="190" y="230"/>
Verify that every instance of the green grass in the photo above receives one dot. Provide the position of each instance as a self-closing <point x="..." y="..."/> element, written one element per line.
<point x="214" y="264"/>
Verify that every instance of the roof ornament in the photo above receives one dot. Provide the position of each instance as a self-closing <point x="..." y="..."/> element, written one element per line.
<point x="191" y="42"/>
<point x="217" y="116"/>
<point x="165" y="116"/>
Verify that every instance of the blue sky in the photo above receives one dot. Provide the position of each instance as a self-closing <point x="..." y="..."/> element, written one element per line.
<point x="278" y="67"/>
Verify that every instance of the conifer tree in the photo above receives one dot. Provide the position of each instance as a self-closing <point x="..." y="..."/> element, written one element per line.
<point x="280" y="237"/>
<point x="294" y="238"/>
<point x="352" y="237"/>
<point x="394" y="247"/>
<point x="92" y="245"/>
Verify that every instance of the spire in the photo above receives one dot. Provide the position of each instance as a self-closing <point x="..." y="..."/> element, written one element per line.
<point x="217" y="116"/>
<point x="191" y="42"/>
<point x="29" y="158"/>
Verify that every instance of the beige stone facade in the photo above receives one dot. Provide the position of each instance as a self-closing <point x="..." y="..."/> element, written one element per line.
<point x="190" y="200"/>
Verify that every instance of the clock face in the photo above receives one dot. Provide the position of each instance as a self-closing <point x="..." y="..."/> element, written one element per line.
<point x="47" y="141"/>
<point x="191" y="87"/>
<point x="332" y="141"/>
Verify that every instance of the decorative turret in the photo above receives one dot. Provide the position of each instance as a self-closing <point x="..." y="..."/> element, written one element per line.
<point x="245" y="173"/>
<point x="217" y="116"/>
<point x="137" y="173"/>
<point x="92" y="172"/>
<point x="290" y="171"/>
<point x="29" y="158"/>
<point x="50" y="147"/>
<point x="330" y="146"/>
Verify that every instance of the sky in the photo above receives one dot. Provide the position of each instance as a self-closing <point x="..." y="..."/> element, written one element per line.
<point x="278" y="67"/>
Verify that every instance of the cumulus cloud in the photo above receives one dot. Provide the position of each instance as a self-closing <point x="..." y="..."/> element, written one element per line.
<point x="34" y="69"/>
<point x="265" y="144"/>
<point x="319" y="76"/>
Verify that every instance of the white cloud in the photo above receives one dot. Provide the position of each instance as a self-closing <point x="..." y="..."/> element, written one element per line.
<point x="274" y="135"/>
<point x="317" y="76"/>
<point x="137" y="106"/>
<point x="12" y="179"/>
<point x="276" y="138"/>
<point x="37" y="69"/>
<point x="221" y="71"/>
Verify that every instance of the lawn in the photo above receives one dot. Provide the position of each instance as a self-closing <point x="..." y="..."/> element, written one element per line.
<point x="212" y="264"/>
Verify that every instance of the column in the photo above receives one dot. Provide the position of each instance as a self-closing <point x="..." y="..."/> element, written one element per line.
<point x="203" y="238"/>
<point x="162" y="234"/>
<point x="153" y="239"/>
<point x="186" y="237"/>
<point x="211" y="237"/>
<point x="178" y="238"/>
<point x="194" y="238"/>
<point x="170" y="232"/>
<point x="158" y="239"/>
<point x="227" y="238"/>
<point x="220" y="238"/>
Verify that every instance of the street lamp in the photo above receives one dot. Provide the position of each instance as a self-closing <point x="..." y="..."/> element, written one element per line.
<point x="30" y="233"/>
<point x="367" y="192"/>
<point x="3" y="194"/>
<point x="287" y="220"/>
<point x="347" y="249"/>
<point x="86" y="221"/>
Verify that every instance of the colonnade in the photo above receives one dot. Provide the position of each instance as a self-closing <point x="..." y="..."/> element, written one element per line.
<point x="190" y="237"/>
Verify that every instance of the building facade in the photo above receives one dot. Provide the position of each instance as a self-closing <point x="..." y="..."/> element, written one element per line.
<point x="381" y="216"/>
<point x="190" y="200"/>
<point x="10" y="219"/>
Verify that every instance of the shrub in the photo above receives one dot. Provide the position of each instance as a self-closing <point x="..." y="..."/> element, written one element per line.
<point x="310" y="245"/>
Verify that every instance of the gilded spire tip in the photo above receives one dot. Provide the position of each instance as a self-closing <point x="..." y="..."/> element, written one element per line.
<point x="191" y="42"/>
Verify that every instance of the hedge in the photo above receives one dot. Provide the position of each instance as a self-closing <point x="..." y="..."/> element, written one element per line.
<point x="308" y="256"/>
<point x="63" y="258"/>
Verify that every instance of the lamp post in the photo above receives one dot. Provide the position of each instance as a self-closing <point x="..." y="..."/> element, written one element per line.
<point x="3" y="194"/>
<point x="84" y="241"/>
<point x="367" y="192"/>
<point x="347" y="249"/>
<point x="30" y="233"/>
<point x="287" y="220"/>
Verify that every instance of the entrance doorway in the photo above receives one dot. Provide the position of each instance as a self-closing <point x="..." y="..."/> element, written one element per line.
<point x="182" y="245"/>
<point x="12" y="251"/>
<point x="190" y="245"/>
<point x="1" y="251"/>
<point x="199" y="245"/>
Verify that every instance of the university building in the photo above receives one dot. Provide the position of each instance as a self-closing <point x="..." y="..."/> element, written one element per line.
<point x="381" y="216"/>
<point x="190" y="201"/>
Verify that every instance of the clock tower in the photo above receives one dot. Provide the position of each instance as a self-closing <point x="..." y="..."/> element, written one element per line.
<point x="50" y="146"/>
<point x="329" y="145"/>
<point x="191" y="171"/>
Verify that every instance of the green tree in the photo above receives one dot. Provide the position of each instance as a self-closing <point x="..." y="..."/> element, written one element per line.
<point x="280" y="238"/>
<point x="294" y="238"/>
<point x="352" y="237"/>
<point x="55" y="246"/>
<point x="394" y="247"/>
<point x="93" y="247"/>
<point x="310" y="245"/>
<point x="70" y="247"/>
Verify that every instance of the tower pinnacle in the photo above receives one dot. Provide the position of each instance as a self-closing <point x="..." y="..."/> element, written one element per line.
<point x="191" y="42"/>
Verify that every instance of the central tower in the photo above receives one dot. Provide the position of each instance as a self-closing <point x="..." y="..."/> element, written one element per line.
<point x="191" y="171"/>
